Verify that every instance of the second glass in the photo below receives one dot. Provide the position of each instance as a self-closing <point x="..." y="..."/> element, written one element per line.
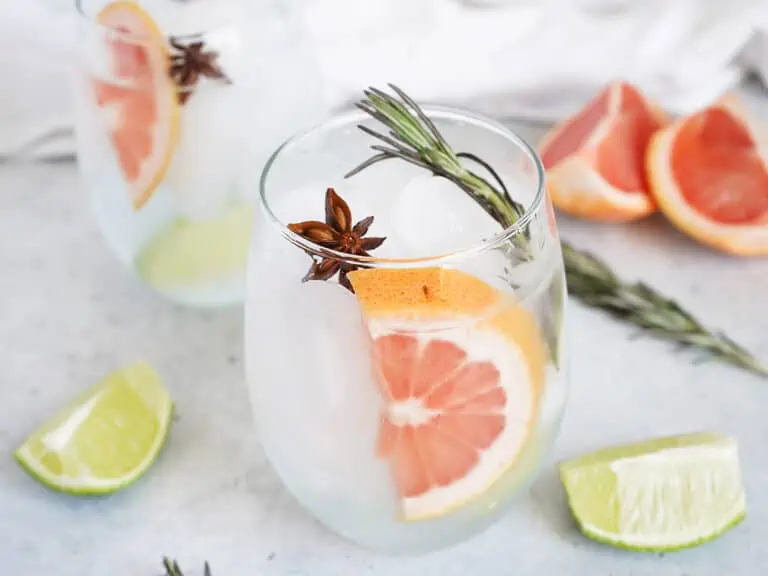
<point x="173" y="99"/>
<point x="406" y="394"/>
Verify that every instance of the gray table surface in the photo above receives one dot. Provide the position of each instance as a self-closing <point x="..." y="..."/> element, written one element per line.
<point x="69" y="314"/>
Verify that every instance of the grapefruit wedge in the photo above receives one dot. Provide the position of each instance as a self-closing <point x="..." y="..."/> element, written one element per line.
<point x="709" y="175"/>
<point x="140" y="105"/>
<point x="595" y="159"/>
<point x="461" y="369"/>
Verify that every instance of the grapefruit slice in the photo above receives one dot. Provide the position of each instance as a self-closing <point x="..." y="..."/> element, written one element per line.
<point x="709" y="175"/>
<point x="140" y="104"/>
<point x="460" y="369"/>
<point x="595" y="159"/>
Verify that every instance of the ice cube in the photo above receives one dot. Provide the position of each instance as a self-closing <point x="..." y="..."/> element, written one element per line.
<point x="433" y="216"/>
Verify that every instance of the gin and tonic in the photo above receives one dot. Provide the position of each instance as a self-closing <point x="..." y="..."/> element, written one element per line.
<point x="176" y="102"/>
<point x="406" y="364"/>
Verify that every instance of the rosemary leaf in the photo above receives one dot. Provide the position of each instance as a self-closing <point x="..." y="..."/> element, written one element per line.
<point x="397" y="137"/>
<point x="402" y="122"/>
<point x="397" y="144"/>
<point x="370" y="162"/>
<point x="401" y="152"/>
<point x="424" y="118"/>
<point x="171" y="568"/>
<point x="371" y="111"/>
<point x="414" y="138"/>
<point x="415" y="160"/>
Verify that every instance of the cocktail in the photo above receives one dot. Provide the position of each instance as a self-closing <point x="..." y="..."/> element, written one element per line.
<point x="174" y="100"/>
<point x="404" y="325"/>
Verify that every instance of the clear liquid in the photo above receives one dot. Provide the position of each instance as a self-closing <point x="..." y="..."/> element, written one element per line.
<point x="315" y="401"/>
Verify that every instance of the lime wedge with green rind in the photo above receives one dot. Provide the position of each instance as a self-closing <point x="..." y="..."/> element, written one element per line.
<point x="106" y="439"/>
<point x="191" y="253"/>
<point x="658" y="495"/>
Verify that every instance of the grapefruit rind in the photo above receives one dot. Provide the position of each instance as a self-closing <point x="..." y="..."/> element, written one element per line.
<point x="574" y="183"/>
<point x="736" y="239"/>
<point x="143" y="30"/>
<point x="421" y="293"/>
<point x="577" y="189"/>
<point x="444" y="304"/>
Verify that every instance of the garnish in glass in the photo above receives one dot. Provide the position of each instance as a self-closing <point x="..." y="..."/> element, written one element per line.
<point x="414" y="138"/>
<point x="189" y="62"/>
<point x="336" y="233"/>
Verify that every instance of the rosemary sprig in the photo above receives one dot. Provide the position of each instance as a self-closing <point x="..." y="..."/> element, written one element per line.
<point x="590" y="280"/>
<point x="413" y="137"/>
<point x="172" y="568"/>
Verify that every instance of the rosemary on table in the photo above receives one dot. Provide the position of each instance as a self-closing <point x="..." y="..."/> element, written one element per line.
<point x="172" y="568"/>
<point x="593" y="282"/>
<point x="414" y="138"/>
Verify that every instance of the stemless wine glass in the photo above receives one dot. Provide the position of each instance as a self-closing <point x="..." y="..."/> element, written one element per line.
<point x="404" y="397"/>
<point x="173" y="98"/>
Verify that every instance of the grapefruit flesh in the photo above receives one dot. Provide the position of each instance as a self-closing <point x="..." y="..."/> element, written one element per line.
<point x="709" y="176"/>
<point x="575" y="133"/>
<point x="460" y="369"/>
<point x="139" y="105"/>
<point x="718" y="169"/>
<point x="595" y="160"/>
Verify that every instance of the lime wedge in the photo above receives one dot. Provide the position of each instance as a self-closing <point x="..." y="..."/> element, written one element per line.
<point x="661" y="494"/>
<point x="192" y="253"/>
<point x="106" y="439"/>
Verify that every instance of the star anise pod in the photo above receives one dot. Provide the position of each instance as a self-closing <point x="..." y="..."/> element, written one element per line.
<point x="337" y="233"/>
<point x="189" y="63"/>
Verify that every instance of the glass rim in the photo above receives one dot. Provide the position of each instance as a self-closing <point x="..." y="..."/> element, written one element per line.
<point x="355" y="116"/>
<point x="131" y="37"/>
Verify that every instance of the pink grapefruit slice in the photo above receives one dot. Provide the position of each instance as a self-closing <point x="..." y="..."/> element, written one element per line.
<point x="709" y="174"/>
<point x="595" y="160"/>
<point x="460" y="368"/>
<point x="140" y="105"/>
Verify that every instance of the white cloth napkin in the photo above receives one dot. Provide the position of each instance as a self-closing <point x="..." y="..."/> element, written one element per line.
<point x="539" y="59"/>
<point x="535" y="59"/>
<point x="35" y="99"/>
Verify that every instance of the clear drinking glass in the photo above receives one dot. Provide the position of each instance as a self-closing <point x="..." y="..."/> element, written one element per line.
<point x="406" y="415"/>
<point x="174" y="100"/>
